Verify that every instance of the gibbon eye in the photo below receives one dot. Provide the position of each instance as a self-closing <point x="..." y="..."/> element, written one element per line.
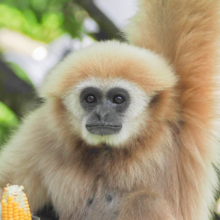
<point x="118" y="99"/>
<point x="90" y="99"/>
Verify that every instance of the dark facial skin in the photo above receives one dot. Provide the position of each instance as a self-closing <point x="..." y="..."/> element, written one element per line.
<point x="105" y="111"/>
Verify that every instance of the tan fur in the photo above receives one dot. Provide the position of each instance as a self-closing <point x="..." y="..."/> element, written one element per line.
<point x="187" y="34"/>
<point x="166" y="171"/>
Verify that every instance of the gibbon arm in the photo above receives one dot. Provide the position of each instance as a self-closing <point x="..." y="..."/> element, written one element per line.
<point x="186" y="33"/>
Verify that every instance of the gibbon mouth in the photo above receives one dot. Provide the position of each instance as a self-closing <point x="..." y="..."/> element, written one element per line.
<point x="103" y="129"/>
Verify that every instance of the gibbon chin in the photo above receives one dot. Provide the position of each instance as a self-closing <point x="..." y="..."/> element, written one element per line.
<point x="128" y="130"/>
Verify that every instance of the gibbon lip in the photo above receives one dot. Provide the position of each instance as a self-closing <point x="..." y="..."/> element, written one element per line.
<point x="104" y="126"/>
<point x="102" y="130"/>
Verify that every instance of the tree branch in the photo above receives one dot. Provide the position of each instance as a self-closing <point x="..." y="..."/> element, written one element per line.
<point x="108" y="28"/>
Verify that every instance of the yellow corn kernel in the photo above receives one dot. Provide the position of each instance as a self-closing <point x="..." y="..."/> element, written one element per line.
<point x="10" y="199"/>
<point x="15" y="204"/>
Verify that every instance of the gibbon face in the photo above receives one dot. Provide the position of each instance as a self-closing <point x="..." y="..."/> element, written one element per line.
<point x="107" y="89"/>
<point x="104" y="109"/>
<point x="107" y="110"/>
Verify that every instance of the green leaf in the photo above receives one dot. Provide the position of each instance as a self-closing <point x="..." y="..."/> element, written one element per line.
<point x="7" y="116"/>
<point x="8" y="122"/>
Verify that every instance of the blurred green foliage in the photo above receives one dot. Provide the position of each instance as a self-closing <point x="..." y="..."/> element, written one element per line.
<point x="42" y="20"/>
<point x="8" y="122"/>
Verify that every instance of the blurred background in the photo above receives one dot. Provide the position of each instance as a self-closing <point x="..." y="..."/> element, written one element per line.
<point x="37" y="34"/>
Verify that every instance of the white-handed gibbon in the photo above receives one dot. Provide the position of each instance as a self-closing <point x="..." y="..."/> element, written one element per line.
<point x="128" y="130"/>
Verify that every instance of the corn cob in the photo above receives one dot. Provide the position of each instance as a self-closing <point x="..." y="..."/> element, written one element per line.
<point x="15" y="204"/>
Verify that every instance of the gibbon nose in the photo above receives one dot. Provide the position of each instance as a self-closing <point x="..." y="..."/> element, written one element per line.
<point x="103" y="112"/>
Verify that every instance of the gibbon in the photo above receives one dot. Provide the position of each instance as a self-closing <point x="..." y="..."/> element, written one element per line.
<point x="128" y="130"/>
